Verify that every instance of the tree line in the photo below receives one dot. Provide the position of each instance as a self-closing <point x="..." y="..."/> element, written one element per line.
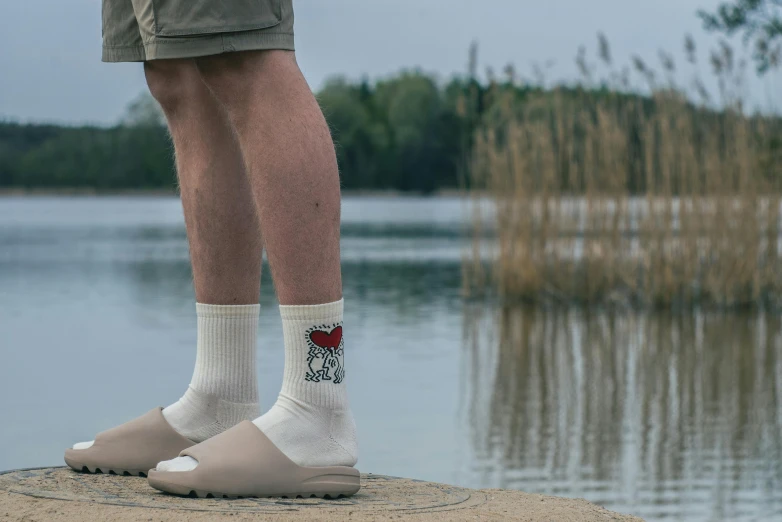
<point x="404" y="133"/>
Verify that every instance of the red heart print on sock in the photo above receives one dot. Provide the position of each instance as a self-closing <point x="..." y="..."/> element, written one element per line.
<point x="329" y="341"/>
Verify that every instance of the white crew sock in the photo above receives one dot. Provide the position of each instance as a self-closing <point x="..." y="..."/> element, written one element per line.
<point x="311" y="422"/>
<point x="224" y="388"/>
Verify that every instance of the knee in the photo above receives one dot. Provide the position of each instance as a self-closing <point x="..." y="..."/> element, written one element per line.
<point x="171" y="82"/>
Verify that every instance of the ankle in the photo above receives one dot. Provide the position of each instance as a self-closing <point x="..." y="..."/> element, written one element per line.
<point x="199" y="416"/>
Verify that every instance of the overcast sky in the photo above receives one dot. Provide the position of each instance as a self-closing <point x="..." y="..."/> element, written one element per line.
<point x="50" y="68"/>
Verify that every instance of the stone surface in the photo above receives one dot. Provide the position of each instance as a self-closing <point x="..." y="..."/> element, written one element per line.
<point x="62" y="494"/>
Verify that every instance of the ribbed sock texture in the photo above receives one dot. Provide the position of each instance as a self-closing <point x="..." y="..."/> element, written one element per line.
<point x="311" y="422"/>
<point x="224" y="388"/>
<point x="226" y="352"/>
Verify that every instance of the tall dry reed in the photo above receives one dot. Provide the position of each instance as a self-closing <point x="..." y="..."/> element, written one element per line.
<point x="599" y="193"/>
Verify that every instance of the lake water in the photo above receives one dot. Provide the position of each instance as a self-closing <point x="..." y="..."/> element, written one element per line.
<point x="669" y="417"/>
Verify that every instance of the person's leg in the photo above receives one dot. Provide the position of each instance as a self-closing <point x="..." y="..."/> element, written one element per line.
<point x="225" y="251"/>
<point x="291" y="163"/>
<point x="222" y="225"/>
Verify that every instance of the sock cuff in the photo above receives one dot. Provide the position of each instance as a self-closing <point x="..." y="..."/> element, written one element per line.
<point x="315" y="313"/>
<point x="226" y="352"/>
<point x="210" y="310"/>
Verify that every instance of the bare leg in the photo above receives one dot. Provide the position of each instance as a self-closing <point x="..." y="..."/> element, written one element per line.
<point x="222" y="227"/>
<point x="292" y="165"/>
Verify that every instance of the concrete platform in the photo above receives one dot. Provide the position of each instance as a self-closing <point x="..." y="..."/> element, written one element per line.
<point x="59" y="494"/>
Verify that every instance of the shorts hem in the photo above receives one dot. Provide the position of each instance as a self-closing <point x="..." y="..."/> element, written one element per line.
<point x="167" y="48"/>
<point x="129" y="53"/>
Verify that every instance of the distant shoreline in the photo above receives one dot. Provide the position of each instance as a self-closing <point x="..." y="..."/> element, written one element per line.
<point x="159" y="192"/>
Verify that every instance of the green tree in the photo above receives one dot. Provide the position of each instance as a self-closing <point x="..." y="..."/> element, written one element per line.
<point x="424" y="131"/>
<point x="360" y="138"/>
<point x="401" y="133"/>
<point x="760" y="21"/>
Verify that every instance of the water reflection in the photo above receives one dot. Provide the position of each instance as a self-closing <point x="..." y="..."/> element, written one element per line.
<point x="673" y="417"/>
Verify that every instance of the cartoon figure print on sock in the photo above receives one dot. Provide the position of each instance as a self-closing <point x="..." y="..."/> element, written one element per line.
<point x="325" y="357"/>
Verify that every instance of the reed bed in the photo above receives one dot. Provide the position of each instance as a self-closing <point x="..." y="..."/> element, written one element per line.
<point x="599" y="193"/>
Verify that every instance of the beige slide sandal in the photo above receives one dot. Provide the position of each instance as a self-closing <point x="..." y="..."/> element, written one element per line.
<point x="132" y="448"/>
<point x="243" y="462"/>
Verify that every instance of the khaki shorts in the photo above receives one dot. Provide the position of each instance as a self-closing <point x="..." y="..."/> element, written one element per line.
<point x="140" y="30"/>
